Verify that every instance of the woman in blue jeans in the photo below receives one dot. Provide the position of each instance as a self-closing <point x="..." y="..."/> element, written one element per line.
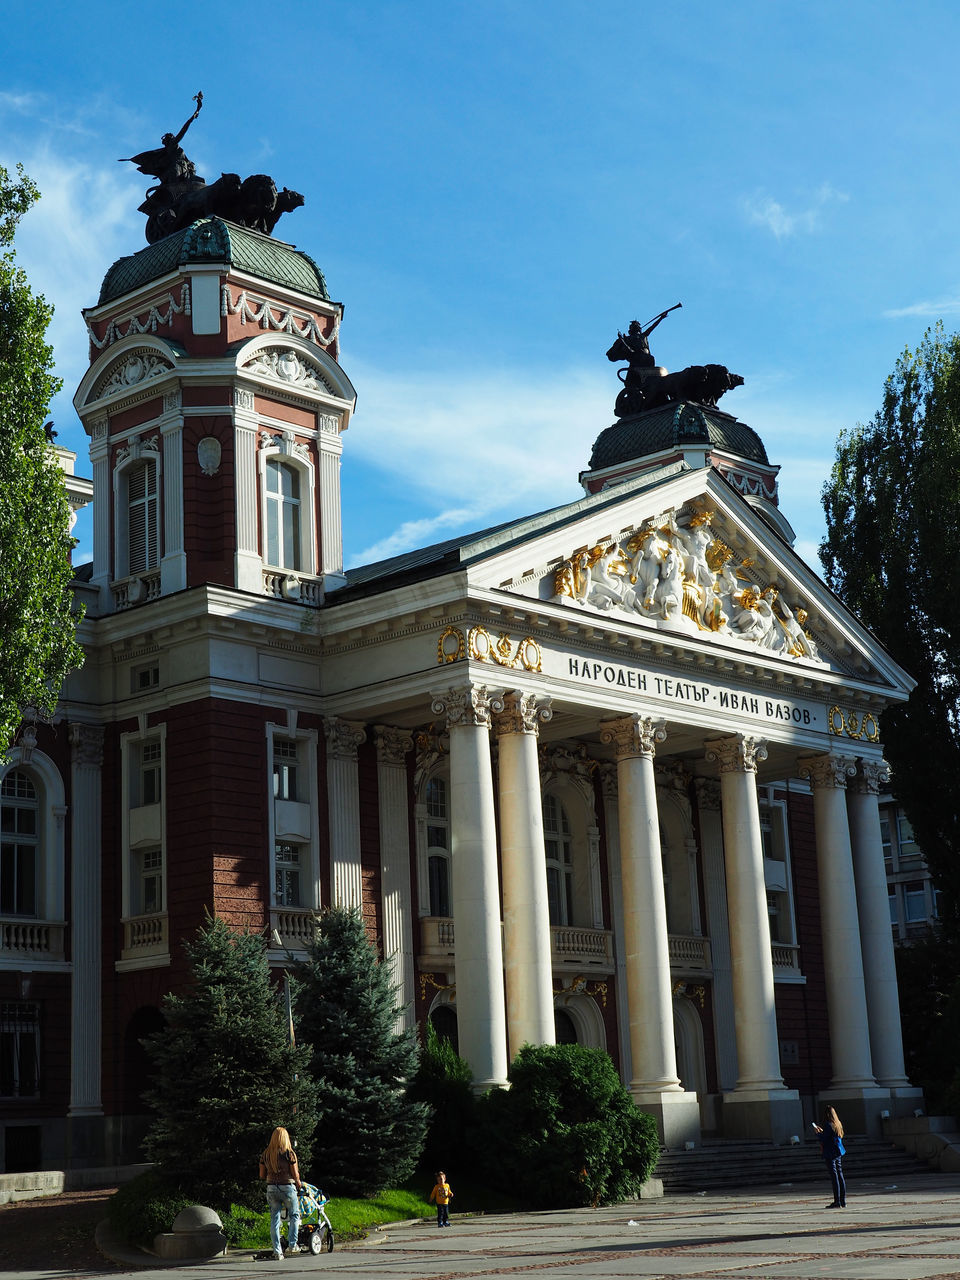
<point x="278" y="1167"/>
<point x="832" y="1149"/>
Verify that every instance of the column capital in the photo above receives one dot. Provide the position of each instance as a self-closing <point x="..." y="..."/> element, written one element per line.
<point x="86" y="744"/>
<point x="470" y="705"/>
<point x="827" y="770"/>
<point x="522" y="712"/>
<point x="392" y="744"/>
<point x="343" y="737"/>
<point x="739" y="753"/>
<point x="870" y="777"/>
<point x="633" y="736"/>
<point x="708" y="793"/>
<point x="608" y="779"/>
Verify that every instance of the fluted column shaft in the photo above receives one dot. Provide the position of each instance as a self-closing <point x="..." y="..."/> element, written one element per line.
<point x="86" y="744"/>
<point x="876" y="936"/>
<point x="481" y="1013"/>
<point x="843" y="959"/>
<point x="649" y="997"/>
<point x="392" y="747"/>
<point x="528" y="962"/>
<point x="343" y="793"/>
<point x="758" y="1046"/>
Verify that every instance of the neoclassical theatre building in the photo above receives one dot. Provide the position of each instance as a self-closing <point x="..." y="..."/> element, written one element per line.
<point x="607" y="774"/>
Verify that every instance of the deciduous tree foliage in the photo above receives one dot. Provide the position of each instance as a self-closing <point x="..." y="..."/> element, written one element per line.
<point x="892" y="552"/>
<point x="370" y="1133"/>
<point x="225" y="1072"/>
<point x="37" y="632"/>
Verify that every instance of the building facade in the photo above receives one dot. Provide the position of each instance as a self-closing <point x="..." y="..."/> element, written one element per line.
<point x="608" y="774"/>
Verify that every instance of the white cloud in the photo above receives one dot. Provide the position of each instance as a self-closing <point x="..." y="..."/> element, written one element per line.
<point x="417" y="533"/>
<point x="764" y="211"/>
<point x="931" y="310"/>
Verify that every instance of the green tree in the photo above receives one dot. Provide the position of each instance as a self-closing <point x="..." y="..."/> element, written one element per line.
<point x="37" y="631"/>
<point x="892" y="553"/>
<point x="443" y="1081"/>
<point x="566" y="1132"/>
<point x="370" y="1133"/>
<point x="225" y="1072"/>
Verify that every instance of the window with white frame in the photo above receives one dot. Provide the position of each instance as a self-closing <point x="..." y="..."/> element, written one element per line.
<point x="438" y="846"/>
<point x="145" y="877"/>
<point x="915" y="901"/>
<point x="150" y="774"/>
<point x="558" y="846"/>
<point x="20" y="845"/>
<point x="285" y="764"/>
<point x="142" y="524"/>
<point x="776" y="872"/>
<point x="147" y="882"/>
<point x="287" y="868"/>
<point x="283" y="515"/>
<point x="19" y="1049"/>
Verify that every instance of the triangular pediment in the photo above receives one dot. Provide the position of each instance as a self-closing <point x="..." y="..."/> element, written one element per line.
<point x="684" y="561"/>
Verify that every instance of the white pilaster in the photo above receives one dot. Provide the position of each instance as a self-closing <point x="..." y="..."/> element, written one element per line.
<point x="655" y="1085"/>
<point x="718" y="929"/>
<point x="392" y="747"/>
<point x="343" y="803"/>
<point x="330" y="446"/>
<point x="481" y="1012"/>
<point x="249" y="565"/>
<point x="876" y="938"/>
<point x="760" y="1105"/>
<point x="173" y="564"/>
<point x="86" y="762"/>
<point x="526" y="914"/>
<point x="102" y="510"/>
<point x="611" y="818"/>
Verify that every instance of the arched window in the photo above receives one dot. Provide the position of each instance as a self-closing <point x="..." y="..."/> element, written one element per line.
<point x="564" y="1027"/>
<point x="19" y="852"/>
<point x="283" y="515"/>
<point x="558" y="844"/>
<point x="142" y="540"/>
<point x="444" y="1019"/>
<point x="438" y="846"/>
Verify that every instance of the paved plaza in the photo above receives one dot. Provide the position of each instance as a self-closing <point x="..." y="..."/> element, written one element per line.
<point x="910" y="1231"/>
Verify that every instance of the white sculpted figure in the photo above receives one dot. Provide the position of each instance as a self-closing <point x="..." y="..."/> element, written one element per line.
<point x="670" y="587"/>
<point x="645" y="566"/>
<point x="696" y="540"/>
<point x="799" y="643"/>
<point x="756" y="620"/>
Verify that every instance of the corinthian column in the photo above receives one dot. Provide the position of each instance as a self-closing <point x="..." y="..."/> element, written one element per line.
<point x="392" y="747"/>
<point x="760" y="1105"/>
<point x="526" y="914"/>
<point x="876" y="938"/>
<point x="655" y="1085"/>
<point x="343" y="805"/>
<point x="86" y="763"/>
<point x="481" y="1019"/>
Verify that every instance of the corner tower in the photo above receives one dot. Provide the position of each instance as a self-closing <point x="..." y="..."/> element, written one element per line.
<point x="215" y="404"/>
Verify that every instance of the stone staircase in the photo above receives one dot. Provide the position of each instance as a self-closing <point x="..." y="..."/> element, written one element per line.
<point x="733" y="1165"/>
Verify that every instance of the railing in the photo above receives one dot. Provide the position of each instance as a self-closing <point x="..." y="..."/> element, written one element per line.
<point x="581" y="946"/>
<point x="33" y="938"/>
<point x="293" y="586"/>
<point x="145" y="936"/>
<point x="295" y="926"/>
<point x="689" y="952"/>
<point x="785" y="958"/>
<point x="137" y="589"/>
<point x="436" y="936"/>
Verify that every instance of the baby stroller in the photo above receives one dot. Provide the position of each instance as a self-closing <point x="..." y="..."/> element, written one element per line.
<point x="316" y="1233"/>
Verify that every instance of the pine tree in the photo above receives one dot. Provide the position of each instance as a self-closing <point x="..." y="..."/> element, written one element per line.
<point x="225" y="1072"/>
<point x="370" y="1134"/>
<point x="443" y="1081"/>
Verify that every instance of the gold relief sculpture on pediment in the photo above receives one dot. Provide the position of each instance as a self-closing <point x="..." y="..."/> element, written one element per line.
<point x="675" y="571"/>
<point x="524" y="654"/>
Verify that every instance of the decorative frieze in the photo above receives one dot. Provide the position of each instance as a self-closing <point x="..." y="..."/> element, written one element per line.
<point x="270" y="315"/>
<point x="454" y="645"/>
<point x="736" y="754"/>
<point x="129" y="326"/>
<point x="633" y="736"/>
<point x="134" y="369"/>
<point x="522" y="713"/>
<point x="843" y="723"/>
<point x="287" y="366"/>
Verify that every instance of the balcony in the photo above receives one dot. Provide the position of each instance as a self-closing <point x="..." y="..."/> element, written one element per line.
<point x="574" y="949"/>
<point x="786" y="960"/>
<point x="145" y="942"/>
<point x="138" y="589"/>
<point x="690" y="954"/>
<point x="294" y="925"/>
<point x="31" y="940"/>
<point x="298" y="587"/>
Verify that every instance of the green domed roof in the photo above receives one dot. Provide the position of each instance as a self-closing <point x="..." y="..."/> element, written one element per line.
<point x="214" y="240"/>
<point x="671" y="426"/>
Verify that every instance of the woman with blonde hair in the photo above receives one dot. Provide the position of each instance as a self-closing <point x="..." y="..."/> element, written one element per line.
<point x="278" y="1167"/>
<point x="830" y="1137"/>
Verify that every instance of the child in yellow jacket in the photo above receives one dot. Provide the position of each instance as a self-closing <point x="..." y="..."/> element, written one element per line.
<point x="441" y="1195"/>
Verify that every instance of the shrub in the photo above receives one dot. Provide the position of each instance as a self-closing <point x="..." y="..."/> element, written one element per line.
<point x="566" y="1133"/>
<point x="145" y="1206"/>
<point x="443" y="1082"/>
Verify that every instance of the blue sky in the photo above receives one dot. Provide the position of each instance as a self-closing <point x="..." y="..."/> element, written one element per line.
<point x="494" y="190"/>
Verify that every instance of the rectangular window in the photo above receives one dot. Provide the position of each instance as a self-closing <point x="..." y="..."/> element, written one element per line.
<point x="151" y="754"/>
<point x="150" y="896"/>
<point x="886" y="836"/>
<point x="285" y="760"/>
<point x="287" y="869"/>
<point x="144" y="678"/>
<point x="908" y="845"/>
<point x="915" y="901"/>
<point x="19" y="1049"/>
<point x="142" y="517"/>
<point x="892" y="899"/>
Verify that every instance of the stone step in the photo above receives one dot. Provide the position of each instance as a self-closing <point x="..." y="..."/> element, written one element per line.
<point x="744" y="1164"/>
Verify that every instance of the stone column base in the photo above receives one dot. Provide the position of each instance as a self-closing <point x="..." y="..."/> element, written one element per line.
<point x="770" y="1115"/>
<point x="905" y="1100"/>
<point x="676" y="1112"/>
<point x="858" y="1108"/>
